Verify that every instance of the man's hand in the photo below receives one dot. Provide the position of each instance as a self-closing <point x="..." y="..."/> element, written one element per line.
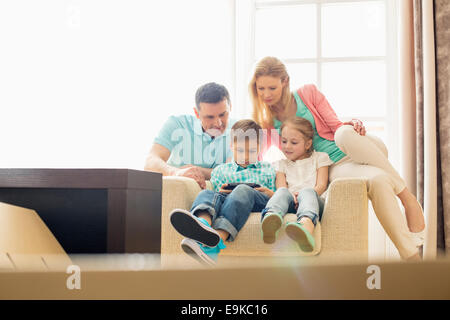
<point x="357" y="125"/>
<point x="193" y="172"/>
<point x="266" y="191"/>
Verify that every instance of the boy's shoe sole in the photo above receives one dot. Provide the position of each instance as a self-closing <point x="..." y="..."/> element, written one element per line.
<point x="270" y="226"/>
<point x="192" y="248"/>
<point x="300" y="235"/>
<point x="191" y="227"/>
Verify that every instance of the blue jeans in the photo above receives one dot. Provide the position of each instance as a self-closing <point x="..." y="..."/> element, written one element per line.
<point x="309" y="204"/>
<point x="230" y="211"/>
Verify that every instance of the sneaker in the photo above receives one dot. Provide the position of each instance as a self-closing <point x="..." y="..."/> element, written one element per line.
<point x="299" y="234"/>
<point x="194" y="228"/>
<point x="418" y="237"/>
<point x="203" y="254"/>
<point x="270" y="225"/>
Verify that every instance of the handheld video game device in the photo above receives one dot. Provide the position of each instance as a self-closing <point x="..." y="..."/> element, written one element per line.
<point x="231" y="186"/>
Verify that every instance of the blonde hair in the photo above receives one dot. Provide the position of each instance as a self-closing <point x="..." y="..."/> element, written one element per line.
<point x="303" y="126"/>
<point x="273" y="67"/>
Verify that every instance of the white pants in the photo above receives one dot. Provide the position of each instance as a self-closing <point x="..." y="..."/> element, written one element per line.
<point x="367" y="158"/>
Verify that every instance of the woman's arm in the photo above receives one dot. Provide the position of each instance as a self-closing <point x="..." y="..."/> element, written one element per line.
<point x="324" y="108"/>
<point x="328" y="114"/>
<point x="321" y="180"/>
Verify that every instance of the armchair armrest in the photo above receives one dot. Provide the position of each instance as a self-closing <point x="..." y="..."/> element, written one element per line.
<point x="177" y="192"/>
<point x="345" y="219"/>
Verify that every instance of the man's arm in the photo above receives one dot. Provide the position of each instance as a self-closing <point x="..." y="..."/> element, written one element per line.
<point x="157" y="162"/>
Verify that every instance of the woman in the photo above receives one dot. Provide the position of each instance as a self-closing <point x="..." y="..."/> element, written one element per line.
<point x="354" y="154"/>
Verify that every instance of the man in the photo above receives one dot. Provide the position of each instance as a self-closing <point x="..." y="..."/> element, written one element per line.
<point x="191" y="146"/>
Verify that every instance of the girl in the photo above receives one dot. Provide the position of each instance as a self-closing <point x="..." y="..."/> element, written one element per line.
<point x="301" y="178"/>
<point x="354" y="154"/>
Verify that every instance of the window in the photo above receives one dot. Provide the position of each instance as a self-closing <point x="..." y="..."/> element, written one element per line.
<point x="343" y="47"/>
<point x="346" y="47"/>
<point x="90" y="83"/>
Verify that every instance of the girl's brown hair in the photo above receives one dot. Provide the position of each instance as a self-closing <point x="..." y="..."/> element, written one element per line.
<point x="273" y="67"/>
<point x="303" y="126"/>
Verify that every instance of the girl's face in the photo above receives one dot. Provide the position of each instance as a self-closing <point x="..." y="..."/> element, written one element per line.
<point x="293" y="144"/>
<point x="269" y="89"/>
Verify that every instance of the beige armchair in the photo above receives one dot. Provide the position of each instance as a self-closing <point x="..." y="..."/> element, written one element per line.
<point x="343" y="231"/>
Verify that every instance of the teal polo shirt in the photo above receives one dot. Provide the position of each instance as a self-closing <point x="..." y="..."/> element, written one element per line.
<point x="184" y="137"/>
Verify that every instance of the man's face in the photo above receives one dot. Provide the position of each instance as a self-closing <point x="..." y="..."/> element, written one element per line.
<point x="214" y="117"/>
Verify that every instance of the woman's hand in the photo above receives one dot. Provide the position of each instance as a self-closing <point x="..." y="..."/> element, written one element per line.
<point x="357" y="125"/>
<point x="266" y="191"/>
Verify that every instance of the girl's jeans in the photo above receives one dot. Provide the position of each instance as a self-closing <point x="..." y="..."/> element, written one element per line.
<point x="230" y="211"/>
<point x="309" y="204"/>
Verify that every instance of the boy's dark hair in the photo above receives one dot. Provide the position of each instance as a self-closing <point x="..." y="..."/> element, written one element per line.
<point x="242" y="127"/>
<point x="211" y="93"/>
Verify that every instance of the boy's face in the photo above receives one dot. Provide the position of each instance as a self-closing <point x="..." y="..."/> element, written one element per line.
<point x="245" y="151"/>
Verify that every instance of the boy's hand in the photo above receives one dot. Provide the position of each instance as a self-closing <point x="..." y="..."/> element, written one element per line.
<point x="266" y="191"/>
<point x="223" y="190"/>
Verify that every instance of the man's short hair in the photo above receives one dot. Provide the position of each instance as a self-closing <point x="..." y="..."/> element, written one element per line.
<point x="211" y="93"/>
<point x="246" y="129"/>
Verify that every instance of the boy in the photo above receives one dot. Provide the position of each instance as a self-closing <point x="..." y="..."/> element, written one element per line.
<point x="217" y="216"/>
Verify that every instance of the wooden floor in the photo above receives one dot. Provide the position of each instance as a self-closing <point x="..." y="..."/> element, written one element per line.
<point x="141" y="277"/>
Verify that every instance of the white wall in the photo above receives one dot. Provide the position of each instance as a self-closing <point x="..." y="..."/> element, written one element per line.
<point x="89" y="83"/>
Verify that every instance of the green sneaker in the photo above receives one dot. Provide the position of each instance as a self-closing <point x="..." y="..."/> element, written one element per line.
<point x="299" y="234"/>
<point x="270" y="225"/>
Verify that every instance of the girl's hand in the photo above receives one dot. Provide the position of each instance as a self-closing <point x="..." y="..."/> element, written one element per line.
<point x="266" y="191"/>
<point x="295" y="195"/>
<point x="358" y="126"/>
<point x="222" y="190"/>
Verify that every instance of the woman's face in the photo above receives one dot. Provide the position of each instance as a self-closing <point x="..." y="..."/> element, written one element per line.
<point x="293" y="144"/>
<point x="269" y="89"/>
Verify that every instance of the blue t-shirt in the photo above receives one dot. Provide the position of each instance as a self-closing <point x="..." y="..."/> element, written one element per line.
<point x="189" y="144"/>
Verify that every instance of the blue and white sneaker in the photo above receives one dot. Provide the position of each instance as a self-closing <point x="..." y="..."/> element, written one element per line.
<point x="203" y="254"/>
<point x="194" y="228"/>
